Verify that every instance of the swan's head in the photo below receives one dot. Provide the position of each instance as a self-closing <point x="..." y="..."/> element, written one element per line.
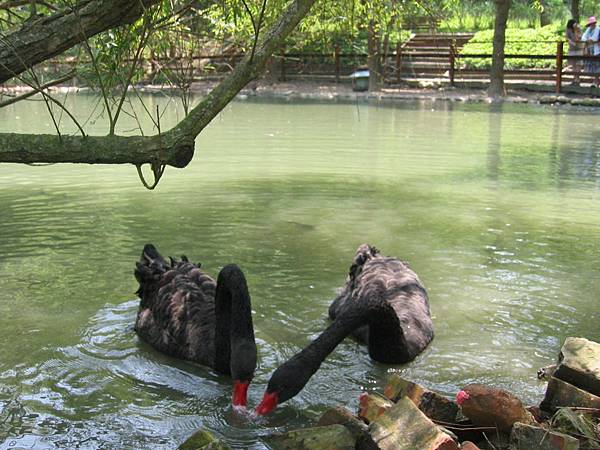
<point x="287" y="380"/>
<point x="243" y="363"/>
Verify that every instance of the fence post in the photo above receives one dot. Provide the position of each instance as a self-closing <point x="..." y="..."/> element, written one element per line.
<point x="559" y="65"/>
<point x="398" y="62"/>
<point x="282" y="75"/>
<point x="452" y="57"/>
<point x="336" y="56"/>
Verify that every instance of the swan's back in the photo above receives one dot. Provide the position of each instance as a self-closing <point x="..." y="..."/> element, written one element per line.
<point x="374" y="277"/>
<point x="177" y="308"/>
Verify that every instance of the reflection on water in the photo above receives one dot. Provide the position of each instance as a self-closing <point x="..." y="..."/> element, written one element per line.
<point x="496" y="208"/>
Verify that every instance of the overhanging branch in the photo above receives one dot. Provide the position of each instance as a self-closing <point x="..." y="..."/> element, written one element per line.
<point x="175" y="147"/>
<point x="168" y="148"/>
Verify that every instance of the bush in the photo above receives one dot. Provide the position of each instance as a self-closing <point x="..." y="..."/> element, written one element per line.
<point x="529" y="41"/>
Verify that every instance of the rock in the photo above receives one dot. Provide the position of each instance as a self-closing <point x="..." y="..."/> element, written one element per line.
<point x="486" y="406"/>
<point x="433" y="405"/>
<point x="546" y="99"/>
<point x="371" y="406"/>
<point x="203" y="440"/>
<point x="527" y="437"/>
<point x="585" y="102"/>
<point x="342" y="416"/>
<point x="405" y="427"/>
<point x="579" y="364"/>
<point x="545" y="373"/>
<point x="468" y="445"/>
<point x="560" y="393"/>
<point x="334" y="437"/>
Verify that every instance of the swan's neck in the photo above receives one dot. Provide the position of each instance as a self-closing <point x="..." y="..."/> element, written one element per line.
<point x="235" y="347"/>
<point x="316" y="352"/>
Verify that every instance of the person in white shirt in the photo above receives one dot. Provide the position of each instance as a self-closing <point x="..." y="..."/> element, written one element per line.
<point x="591" y="37"/>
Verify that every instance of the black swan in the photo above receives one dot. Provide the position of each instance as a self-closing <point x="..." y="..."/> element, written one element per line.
<point x="185" y="314"/>
<point x="383" y="304"/>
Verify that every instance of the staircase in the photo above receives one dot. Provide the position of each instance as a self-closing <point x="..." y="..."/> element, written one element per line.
<point x="427" y="55"/>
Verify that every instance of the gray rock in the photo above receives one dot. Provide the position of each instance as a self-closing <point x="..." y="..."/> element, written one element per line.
<point x="579" y="364"/>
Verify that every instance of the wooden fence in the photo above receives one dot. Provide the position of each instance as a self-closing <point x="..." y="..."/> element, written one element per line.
<point x="337" y="66"/>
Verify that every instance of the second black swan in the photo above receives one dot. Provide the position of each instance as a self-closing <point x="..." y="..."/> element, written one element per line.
<point x="184" y="313"/>
<point x="383" y="304"/>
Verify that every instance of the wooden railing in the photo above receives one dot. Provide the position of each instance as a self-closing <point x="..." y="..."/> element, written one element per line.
<point x="337" y="65"/>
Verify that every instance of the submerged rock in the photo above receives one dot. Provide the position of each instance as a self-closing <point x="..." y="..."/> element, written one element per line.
<point x="342" y="416"/>
<point x="333" y="437"/>
<point x="203" y="440"/>
<point x="579" y="364"/>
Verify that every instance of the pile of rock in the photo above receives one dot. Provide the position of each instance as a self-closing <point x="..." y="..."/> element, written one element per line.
<point x="410" y="417"/>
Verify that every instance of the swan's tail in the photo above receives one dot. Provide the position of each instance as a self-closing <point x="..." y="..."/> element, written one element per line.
<point x="149" y="269"/>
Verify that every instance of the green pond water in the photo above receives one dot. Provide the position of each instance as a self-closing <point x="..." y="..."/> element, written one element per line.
<point x="496" y="208"/>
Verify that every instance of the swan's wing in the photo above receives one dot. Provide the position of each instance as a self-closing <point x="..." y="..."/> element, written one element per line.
<point x="179" y="318"/>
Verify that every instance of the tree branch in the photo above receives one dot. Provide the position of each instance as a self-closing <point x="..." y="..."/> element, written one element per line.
<point x="176" y="146"/>
<point x="49" y="36"/>
<point x="34" y="91"/>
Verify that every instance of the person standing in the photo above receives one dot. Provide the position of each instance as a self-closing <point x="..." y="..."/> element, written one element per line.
<point x="592" y="47"/>
<point x="573" y="36"/>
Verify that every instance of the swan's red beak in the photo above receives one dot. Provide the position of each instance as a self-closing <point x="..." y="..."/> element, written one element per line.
<point x="240" y="393"/>
<point x="268" y="404"/>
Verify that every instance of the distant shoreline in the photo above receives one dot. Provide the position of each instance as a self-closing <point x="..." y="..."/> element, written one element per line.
<point x="311" y="90"/>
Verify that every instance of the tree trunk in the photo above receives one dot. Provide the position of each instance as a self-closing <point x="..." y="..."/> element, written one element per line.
<point x="174" y="147"/>
<point x="374" y="58"/>
<point x="544" y="14"/>
<point x="496" y="88"/>
<point x="49" y="36"/>
<point x="575" y="9"/>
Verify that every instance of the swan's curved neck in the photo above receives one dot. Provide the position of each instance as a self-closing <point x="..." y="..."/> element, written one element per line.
<point x="316" y="352"/>
<point x="235" y="347"/>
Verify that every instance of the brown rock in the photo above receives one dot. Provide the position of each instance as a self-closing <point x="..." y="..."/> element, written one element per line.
<point x="560" y="393"/>
<point x="486" y="406"/>
<point x="342" y="416"/>
<point x="468" y="445"/>
<point x="405" y="427"/>
<point x="371" y="406"/>
<point x="580" y="364"/>
<point x="433" y="405"/>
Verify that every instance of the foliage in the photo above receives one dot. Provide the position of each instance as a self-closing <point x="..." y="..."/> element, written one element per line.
<point x="579" y="424"/>
<point x="531" y="41"/>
